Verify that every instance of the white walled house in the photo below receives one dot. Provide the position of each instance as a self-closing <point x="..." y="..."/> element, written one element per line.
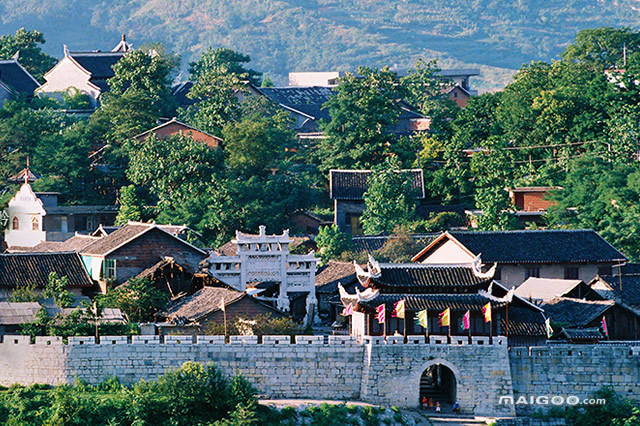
<point x="26" y="213"/>
<point x="264" y="267"/>
<point x="578" y="254"/>
<point x="35" y="217"/>
<point x="87" y="72"/>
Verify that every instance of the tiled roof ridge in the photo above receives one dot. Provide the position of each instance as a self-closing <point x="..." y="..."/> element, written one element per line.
<point x="523" y="231"/>
<point x="414" y="265"/>
<point x="39" y="253"/>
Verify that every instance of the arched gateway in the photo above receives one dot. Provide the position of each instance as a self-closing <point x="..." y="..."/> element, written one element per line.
<point x="438" y="381"/>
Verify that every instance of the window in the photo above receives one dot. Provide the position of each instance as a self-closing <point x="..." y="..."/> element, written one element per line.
<point x="35" y="223"/>
<point x="532" y="272"/>
<point x="15" y="223"/>
<point x="605" y="270"/>
<point x="109" y="269"/>
<point x="571" y="273"/>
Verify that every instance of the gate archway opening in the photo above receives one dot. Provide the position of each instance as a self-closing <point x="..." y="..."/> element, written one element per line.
<point x="438" y="383"/>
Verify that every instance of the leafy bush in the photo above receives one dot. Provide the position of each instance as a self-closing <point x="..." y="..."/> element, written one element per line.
<point x="193" y="394"/>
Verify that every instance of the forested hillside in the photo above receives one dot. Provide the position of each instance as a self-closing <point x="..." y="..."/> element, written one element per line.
<point x="289" y="35"/>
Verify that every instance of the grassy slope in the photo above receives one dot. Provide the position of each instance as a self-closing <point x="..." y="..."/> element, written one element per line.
<point x="290" y="35"/>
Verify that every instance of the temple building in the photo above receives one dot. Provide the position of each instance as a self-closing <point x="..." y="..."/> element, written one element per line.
<point x="434" y="288"/>
<point x="263" y="266"/>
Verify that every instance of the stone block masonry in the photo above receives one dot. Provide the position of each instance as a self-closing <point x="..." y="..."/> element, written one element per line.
<point x="573" y="370"/>
<point x="380" y="371"/>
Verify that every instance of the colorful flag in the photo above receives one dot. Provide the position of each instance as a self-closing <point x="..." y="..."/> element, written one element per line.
<point x="422" y="319"/>
<point x="547" y="326"/>
<point x="445" y="318"/>
<point x="221" y="305"/>
<point x="486" y="311"/>
<point x="604" y="327"/>
<point x="348" y="310"/>
<point x="466" y="321"/>
<point x="380" y="316"/>
<point x="398" y="309"/>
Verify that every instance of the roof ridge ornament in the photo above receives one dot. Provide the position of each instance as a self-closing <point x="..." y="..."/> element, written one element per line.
<point x="477" y="271"/>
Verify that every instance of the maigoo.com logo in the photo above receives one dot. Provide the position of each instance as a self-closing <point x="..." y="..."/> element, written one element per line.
<point x="550" y="400"/>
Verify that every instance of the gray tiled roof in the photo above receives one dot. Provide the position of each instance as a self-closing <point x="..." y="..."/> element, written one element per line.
<point x="575" y="312"/>
<point x="539" y="246"/>
<point x="99" y="64"/>
<point x="369" y="243"/>
<point x="438" y="279"/>
<point x="22" y="269"/>
<point x="17" y="78"/>
<point x="352" y="184"/>
<point x="629" y="293"/>
<point x="334" y="272"/>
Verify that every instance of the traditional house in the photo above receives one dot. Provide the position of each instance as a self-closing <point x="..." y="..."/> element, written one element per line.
<point x="264" y="265"/>
<point x="460" y="289"/>
<point x="539" y="290"/>
<point x="15" y="81"/>
<point x="560" y="254"/>
<point x="347" y="188"/>
<point x="33" y="269"/>
<point x="306" y="108"/>
<point x="175" y="127"/>
<point x="622" y="321"/>
<point x="201" y="312"/>
<point x="623" y="288"/>
<point x="134" y="247"/>
<point x="37" y="217"/>
<point x="87" y="72"/>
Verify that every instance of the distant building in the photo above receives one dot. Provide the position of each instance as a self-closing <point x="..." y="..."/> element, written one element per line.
<point x="175" y="127"/>
<point x="459" y="90"/>
<point x="264" y="267"/>
<point x="15" y="80"/>
<point x="519" y="255"/>
<point x="37" y="217"/>
<point x="532" y="202"/>
<point x="88" y="72"/>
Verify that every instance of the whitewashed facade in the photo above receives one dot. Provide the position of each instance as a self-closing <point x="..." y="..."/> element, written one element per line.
<point x="25" y="215"/>
<point x="266" y="258"/>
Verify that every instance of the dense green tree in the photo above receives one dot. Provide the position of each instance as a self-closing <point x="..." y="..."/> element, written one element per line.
<point x="148" y="71"/>
<point x="130" y="208"/>
<point x="332" y="242"/>
<point x="603" y="48"/>
<point x="390" y="199"/>
<point x="27" y="44"/>
<point x="363" y="109"/>
<point x="492" y="177"/>
<point x="603" y="196"/>
<point x="256" y="144"/>
<point x="138" y="299"/>
<point x="427" y="92"/>
<point x="223" y="60"/>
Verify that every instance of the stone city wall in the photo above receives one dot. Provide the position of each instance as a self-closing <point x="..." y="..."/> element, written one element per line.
<point x="279" y="369"/>
<point x="377" y="370"/>
<point x="577" y="371"/>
